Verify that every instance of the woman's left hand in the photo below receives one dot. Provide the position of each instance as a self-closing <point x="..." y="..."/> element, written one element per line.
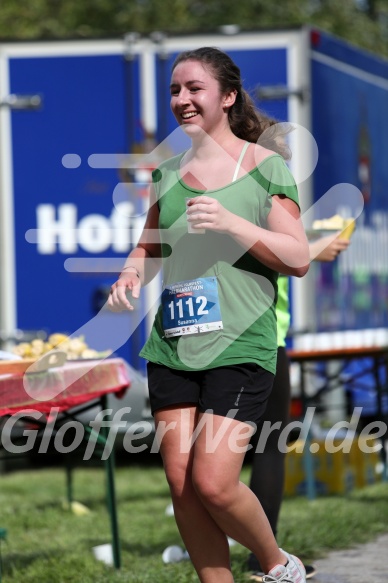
<point x="328" y="248"/>
<point x="204" y="212"/>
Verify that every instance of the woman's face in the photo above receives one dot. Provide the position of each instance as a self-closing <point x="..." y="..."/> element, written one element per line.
<point x="196" y="101"/>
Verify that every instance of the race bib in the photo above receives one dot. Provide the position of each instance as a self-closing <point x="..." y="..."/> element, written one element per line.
<point x="191" y="307"/>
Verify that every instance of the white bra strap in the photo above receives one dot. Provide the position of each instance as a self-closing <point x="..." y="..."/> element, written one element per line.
<point x="238" y="166"/>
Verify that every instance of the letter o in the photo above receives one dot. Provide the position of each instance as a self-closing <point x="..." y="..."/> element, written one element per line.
<point x="79" y="436"/>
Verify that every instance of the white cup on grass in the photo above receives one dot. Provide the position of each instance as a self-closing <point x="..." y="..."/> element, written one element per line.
<point x="104" y="553"/>
<point x="174" y="554"/>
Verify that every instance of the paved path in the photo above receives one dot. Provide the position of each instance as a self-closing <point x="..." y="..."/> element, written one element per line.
<point x="366" y="563"/>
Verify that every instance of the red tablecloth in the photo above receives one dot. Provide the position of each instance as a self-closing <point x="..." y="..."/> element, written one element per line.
<point x="63" y="387"/>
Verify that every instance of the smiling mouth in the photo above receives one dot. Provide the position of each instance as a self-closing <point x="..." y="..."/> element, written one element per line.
<point x="189" y="115"/>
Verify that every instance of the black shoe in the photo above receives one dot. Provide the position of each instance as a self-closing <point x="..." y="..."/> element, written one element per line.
<point x="310" y="571"/>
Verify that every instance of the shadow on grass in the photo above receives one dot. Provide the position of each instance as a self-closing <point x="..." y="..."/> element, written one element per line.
<point x="137" y="549"/>
<point x="366" y="498"/>
<point x="96" y="502"/>
<point x="16" y="561"/>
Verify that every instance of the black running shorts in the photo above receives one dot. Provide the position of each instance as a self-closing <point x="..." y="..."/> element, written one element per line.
<point x="240" y="390"/>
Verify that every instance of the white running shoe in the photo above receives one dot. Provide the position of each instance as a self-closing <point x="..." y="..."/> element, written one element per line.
<point x="293" y="572"/>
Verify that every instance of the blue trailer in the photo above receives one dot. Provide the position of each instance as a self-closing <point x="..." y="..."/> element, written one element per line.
<point x="56" y="207"/>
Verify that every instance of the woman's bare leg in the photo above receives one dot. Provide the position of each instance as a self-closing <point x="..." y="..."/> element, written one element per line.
<point x="233" y="506"/>
<point x="205" y="541"/>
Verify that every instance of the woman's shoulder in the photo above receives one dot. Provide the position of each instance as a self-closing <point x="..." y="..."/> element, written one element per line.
<point x="271" y="170"/>
<point x="170" y="163"/>
<point x="257" y="156"/>
<point x="260" y="155"/>
<point x="166" y="168"/>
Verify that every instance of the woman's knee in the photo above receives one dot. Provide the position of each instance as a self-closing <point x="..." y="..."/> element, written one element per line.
<point x="178" y="478"/>
<point x="215" y="492"/>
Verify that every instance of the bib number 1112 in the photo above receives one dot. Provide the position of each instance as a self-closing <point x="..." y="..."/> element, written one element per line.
<point x="179" y="306"/>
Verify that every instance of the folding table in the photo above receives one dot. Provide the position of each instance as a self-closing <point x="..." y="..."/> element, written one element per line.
<point x="80" y="384"/>
<point x="379" y="358"/>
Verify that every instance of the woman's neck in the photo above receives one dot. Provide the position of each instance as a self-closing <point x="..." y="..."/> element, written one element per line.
<point x="208" y="147"/>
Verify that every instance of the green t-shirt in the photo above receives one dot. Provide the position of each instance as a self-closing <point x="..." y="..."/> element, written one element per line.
<point x="247" y="289"/>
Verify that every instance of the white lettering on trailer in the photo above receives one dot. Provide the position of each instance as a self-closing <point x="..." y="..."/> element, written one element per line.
<point x="52" y="231"/>
<point x="94" y="233"/>
<point x="59" y="231"/>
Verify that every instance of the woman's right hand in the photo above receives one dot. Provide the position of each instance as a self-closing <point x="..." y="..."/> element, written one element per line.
<point x="128" y="281"/>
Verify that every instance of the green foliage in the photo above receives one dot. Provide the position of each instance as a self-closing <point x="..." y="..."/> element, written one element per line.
<point x="47" y="543"/>
<point x="364" y="23"/>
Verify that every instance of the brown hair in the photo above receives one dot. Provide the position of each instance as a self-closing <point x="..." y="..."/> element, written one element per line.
<point x="246" y="121"/>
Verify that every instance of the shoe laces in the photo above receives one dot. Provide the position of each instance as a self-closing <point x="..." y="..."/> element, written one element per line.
<point x="284" y="578"/>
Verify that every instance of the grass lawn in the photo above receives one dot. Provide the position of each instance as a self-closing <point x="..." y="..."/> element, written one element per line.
<point x="48" y="544"/>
